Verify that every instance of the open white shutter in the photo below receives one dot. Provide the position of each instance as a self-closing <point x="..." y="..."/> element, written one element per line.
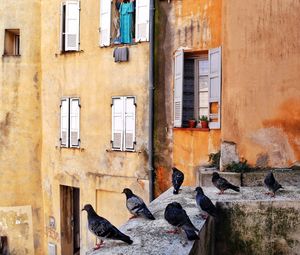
<point x="214" y="59"/>
<point x="74" y="122"/>
<point x="142" y="20"/>
<point x="64" y="122"/>
<point x="72" y="26"/>
<point x="129" y="123"/>
<point x="117" y="123"/>
<point x="105" y="22"/>
<point x="178" y="87"/>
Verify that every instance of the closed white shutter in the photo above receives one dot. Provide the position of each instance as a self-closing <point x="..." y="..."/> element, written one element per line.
<point x="64" y="122"/>
<point x="117" y="123"/>
<point x="214" y="59"/>
<point x="178" y="87"/>
<point x="129" y="123"/>
<point x="74" y="122"/>
<point x="105" y="22"/>
<point x="72" y="26"/>
<point x="142" y="20"/>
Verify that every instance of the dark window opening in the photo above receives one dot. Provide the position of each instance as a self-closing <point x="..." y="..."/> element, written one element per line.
<point x="63" y="28"/>
<point x="12" y="42"/>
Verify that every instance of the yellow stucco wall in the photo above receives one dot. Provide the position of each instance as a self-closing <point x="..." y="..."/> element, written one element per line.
<point x="261" y="91"/>
<point x="20" y="128"/>
<point x="92" y="75"/>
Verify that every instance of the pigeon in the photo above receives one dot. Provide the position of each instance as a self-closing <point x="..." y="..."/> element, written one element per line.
<point x="222" y="184"/>
<point x="102" y="228"/>
<point x="136" y="205"/>
<point x="177" y="179"/>
<point x="272" y="184"/>
<point x="205" y="203"/>
<point x="176" y="216"/>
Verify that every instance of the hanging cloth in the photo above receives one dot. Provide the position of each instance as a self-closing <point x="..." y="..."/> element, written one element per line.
<point x="126" y="14"/>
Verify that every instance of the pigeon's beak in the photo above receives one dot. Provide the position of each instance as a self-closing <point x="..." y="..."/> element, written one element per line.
<point x="82" y="209"/>
<point x="122" y="192"/>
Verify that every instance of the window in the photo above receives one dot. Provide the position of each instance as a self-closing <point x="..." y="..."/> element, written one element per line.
<point x="123" y="123"/>
<point x="123" y="22"/>
<point x="69" y="40"/>
<point x="70" y="122"/>
<point x="12" y="42"/>
<point x="197" y="87"/>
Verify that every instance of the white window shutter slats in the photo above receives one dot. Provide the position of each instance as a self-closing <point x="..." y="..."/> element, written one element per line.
<point x="105" y="22"/>
<point x="129" y="114"/>
<point x="74" y="122"/>
<point x="215" y="80"/>
<point x="117" y="123"/>
<point x="142" y="20"/>
<point x="72" y="26"/>
<point x="178" y="87"/>
<point x="64" y="122"/>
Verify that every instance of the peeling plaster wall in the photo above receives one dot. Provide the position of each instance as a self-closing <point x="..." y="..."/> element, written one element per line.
<point x="261" y="91"/>
<point x="193" y="24"/>
<point x="20" y="128"/>
<point x="92" y="75"/>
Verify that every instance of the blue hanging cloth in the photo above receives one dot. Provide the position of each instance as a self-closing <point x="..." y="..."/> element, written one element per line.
<point x="126" y="13"/>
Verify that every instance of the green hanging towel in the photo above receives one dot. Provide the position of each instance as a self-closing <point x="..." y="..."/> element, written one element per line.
<point x="126" y="13"/>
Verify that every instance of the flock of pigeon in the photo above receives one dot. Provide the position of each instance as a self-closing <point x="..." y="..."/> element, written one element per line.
<point x="174" y="213"/>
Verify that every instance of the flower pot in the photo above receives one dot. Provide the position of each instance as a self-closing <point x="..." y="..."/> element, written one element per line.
<point x="192" y="123"/>
<point x="204" y="124"/>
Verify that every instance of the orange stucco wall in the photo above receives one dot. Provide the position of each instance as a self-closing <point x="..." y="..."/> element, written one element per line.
<point x="261" y="80"/>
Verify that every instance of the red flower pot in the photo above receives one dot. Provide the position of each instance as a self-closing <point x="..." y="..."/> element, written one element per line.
<point x="204" y="124"/>
<point x="192" y="123"/>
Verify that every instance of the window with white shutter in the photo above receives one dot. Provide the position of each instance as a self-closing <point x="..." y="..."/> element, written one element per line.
<point x="214" y="59"/>
<point x="74" y="122"/>
<point x="197" y="87"/>
<point x="105" y="22"/>
<point x="123" y="123"/>
<point x="70" y="122"/>
<point x="70" y="26"/>
<point x="178" y="87"/>
<point x="142" y="20"/>
<point x="64" y="122"/>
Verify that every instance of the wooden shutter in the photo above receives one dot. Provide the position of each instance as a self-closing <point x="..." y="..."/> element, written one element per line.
<point x="178" y="87"/>
<point x="64" y="122"/>
<point x="105" y="22"/>
<point x="74" y="122"/>
<point x="72" y="26"/>
<point x="214" y="59"/>
<point x="142" y="20"/>
<point x="117" y="123"/>
<point x="129" y="123"/>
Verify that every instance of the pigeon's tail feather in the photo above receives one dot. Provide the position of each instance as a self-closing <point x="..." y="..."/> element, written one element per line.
<point x="126" y="239"/>
<point x="191" y="235"/>
<point x="235" y="188"/>
<point x="148" y="214"/>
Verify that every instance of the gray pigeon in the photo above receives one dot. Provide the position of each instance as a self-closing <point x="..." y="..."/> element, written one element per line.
<point x="272" y="184"/>
<point x="205" y="203"/>
<point x="102" y="228"/>
<point x="177" y="179"/>
<point x="136" y="205"/>
<point x="222" y="184"/>
<point x="176" y="216"/>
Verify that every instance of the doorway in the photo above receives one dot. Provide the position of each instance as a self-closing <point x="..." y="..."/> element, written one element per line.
<point x="70" y="220"/>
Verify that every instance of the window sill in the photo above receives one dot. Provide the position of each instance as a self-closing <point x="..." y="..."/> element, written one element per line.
<point x="110" y="150"/>
<point x="192" y="129"/>
<point x="70" y="148"/>
<point x="123" y="44"/>
<point x="15" y="56"/>
<point x="62" y="53"/>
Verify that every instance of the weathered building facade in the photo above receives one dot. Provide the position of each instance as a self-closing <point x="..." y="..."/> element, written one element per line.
<point x="258" y="93"/>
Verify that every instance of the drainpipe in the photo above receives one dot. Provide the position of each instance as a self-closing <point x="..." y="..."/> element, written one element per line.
<point x="151" y="97"/>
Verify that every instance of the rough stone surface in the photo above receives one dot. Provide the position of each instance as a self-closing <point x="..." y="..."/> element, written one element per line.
<point x="150" y="237"/>
<point x="228" y="154"/>
<point x="205" y="176"/>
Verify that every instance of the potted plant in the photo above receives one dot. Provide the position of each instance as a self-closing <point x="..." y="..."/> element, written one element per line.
<point x="204" y="121"/>
<point x="192" y="123"/>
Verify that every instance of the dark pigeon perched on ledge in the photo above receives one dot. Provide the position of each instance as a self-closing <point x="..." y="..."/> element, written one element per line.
<point x="272" y="184"/>
<point x="136" y="205"/>
<point x="176" y="216"/>
<point x="102" y="228"/>
<point x="222" y="184"/>
<point x="205" y="203"/>
<point x="177" y="179"/>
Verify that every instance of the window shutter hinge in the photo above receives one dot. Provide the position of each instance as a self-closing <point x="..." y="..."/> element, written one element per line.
<point x="79" y="105"/>
<point x="135" y="104"/>
<point x="134" y="142"/>
<point x="111" y="105"/>
<point x="111" y="141"/>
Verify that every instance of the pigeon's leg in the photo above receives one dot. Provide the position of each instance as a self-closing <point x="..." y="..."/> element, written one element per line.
<point x="272" y="194"/>
<point x="99" y="245"/>
<point x="204" y="216"/>
<point x="132" y="217"/>
<point x="175" y="231"/>
<point x="268" y="193"/>
<point x="221" y="192"/>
